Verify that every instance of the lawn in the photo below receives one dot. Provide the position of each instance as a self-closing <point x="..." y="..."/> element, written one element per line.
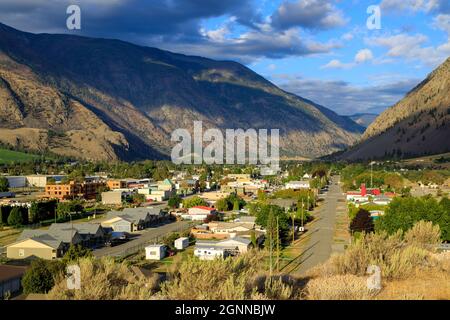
<point x="8" y="156"/>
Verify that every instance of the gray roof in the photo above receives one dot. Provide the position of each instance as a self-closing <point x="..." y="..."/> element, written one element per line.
<point x="220" y="243"/>
<point x="135" y="214"/>
<point x="82" y="228"/>
<point x="62" y="235"/>
<point x="40" y="236"/>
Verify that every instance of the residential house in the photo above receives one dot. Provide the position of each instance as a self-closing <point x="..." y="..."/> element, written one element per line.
<point x="198" y="213"/>
<point x="113" y="197"/>
<point x="209" y="250"/>
<point x="132" y="219"/>
<point x="43" y="244"/>
<point x="91" y="233"/>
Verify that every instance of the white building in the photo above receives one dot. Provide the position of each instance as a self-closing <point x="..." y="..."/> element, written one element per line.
<point x="297" y="185"/>
<point x="155" y="252"/>
<point x="198" y="213"/>
<point x="208" y="252"/>
<point x="181" y="243"/>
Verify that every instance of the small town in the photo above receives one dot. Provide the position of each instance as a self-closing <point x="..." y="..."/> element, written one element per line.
<point x="293" y="221"/>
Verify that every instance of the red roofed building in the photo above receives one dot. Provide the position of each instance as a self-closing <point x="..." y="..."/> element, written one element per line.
<point x="199" y="213"/>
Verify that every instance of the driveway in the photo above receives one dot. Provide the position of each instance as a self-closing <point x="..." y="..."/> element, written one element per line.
<point x="143" y="238"/>
<point x="320" y="233"/>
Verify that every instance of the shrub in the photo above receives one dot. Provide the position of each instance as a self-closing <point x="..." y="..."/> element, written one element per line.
<point x="340" y="287"/>
<point x="40" y="277"/>
<point x="104" y="279"/>
<point x="424" y="235"/>
<point x="76" y="252"/>
<point x="15" y="218"/>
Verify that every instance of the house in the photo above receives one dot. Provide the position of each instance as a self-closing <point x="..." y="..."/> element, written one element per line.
<point x="286" y="204"/>
<point x="10" y="279"/>
<point x="91" y="233"/>
<point x="297" y="185"/>
<point x="45" y="244"/>
<point x="219" y="227"/>
<point x="155" y="252"/>
<point x="206" y="252"/>
<point x="166" y="185"/>
<point x="246" y="219"/>
<point x="132" y="219"/>
<point x="181" y="243"/>
<point x="209" y="250"/>
<point x="198" y="213"/>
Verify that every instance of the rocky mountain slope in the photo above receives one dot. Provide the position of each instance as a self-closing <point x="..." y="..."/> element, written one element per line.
<point x="109" y="99"/>
<point x="417" y="125"/>
<point x="363" y="119"/>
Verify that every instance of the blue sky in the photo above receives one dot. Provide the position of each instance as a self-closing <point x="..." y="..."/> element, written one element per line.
<point x="318" y="49"/>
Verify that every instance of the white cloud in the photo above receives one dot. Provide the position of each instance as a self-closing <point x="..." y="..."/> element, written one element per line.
<point x="347" y="36"/>
<point x="337" y="64"/>
<point x="363" y="56"/>
<point x="411" y="47"/>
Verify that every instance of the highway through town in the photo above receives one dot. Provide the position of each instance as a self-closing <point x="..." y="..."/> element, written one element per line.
<point x="318" y="246"/>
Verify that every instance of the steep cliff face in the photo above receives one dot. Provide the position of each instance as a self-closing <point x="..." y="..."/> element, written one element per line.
<point x="108" y="99"/>
<point x="416" y="125"/>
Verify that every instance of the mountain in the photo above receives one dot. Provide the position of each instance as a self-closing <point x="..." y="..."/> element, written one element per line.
<point x="363" y="119"/>
<point x="104" y="99"/>
<point x="417" y="125"/>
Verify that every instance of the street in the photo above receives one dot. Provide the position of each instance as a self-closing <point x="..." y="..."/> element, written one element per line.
<point x="144" y="237"/>
<point x="318" y="246"/>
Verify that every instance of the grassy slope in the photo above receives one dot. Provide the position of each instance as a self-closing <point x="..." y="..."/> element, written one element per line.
<point x="8" y="156"/>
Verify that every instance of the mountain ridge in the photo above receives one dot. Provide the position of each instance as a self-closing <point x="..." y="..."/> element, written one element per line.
<point x="127" y="99"/>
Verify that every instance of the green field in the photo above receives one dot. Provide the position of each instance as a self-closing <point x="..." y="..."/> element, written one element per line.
<point x="8" y="156"/>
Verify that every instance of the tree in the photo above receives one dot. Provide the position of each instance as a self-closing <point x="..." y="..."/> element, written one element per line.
<point x="174" y="201"/>
<point x="362" y="222"/>
<point x="194" y="201"/>
<point x="39" y="278"/>
<point x="15" y="218"/>
<point x="222" y="204"/>
<point x="236" y="205"/>
<point x="76" y="252"/>
<point x="403" y="213"/>
<point x="63" y="209"/>
<point x="4" y="184"/>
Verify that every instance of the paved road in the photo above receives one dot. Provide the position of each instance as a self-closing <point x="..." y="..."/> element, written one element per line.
<point x="144" y="237"/>
<point x="319" y="245"/>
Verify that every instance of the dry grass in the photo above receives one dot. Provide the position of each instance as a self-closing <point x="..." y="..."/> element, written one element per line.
<point x="104" y="279"/>
<point x="339" y="287"/>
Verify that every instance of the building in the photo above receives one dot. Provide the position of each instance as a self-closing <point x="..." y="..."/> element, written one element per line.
<point x="155" y="252"/>
<point x="45" y="244"/>
<point x="40" y="181"/>
<point x="181" y="243"/>
<point x="166" y="185"/>
<point x="198" y="213"/>
<point x="132" y="219"/>
<point x="297" y="185"/>
<point x="10" y="280"/>
<point x="116" y="184"/>
<point x="115" y="197"/>
<point x="17" y="181"/>
<point x="73" y="190"/>
<point x="209" y="250"/>
<point x="92" y="234"/>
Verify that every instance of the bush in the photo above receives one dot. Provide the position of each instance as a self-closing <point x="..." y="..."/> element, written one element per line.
<point x="76" y="252"/>
<point x="40" y="277"/>
<point x="362" y="222"/>
<point x="194" y="201"/>
<point x="104" y="279"/>
<point x="424" y="235"/>
<point x="15" y="218"/>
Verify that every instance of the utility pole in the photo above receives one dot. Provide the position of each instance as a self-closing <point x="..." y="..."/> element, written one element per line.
<point x="278" y="247"/>
<point x="302" y="213"/>
<point x="371" y="174"/>
<point x="270" y="233"/>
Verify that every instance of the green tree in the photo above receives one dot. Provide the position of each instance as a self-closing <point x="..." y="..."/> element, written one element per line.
<point x="15" y="218"/>
<point x="403" y="213"/>
<point x="75" y="253"/>
<point x="39" y="278"/>
<point x="4" y="184"/>
<point x="174" y="201"/>
<point x="222" y="204"/>
<point x="236" y="205"/>
<point x="194" y="201"/>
